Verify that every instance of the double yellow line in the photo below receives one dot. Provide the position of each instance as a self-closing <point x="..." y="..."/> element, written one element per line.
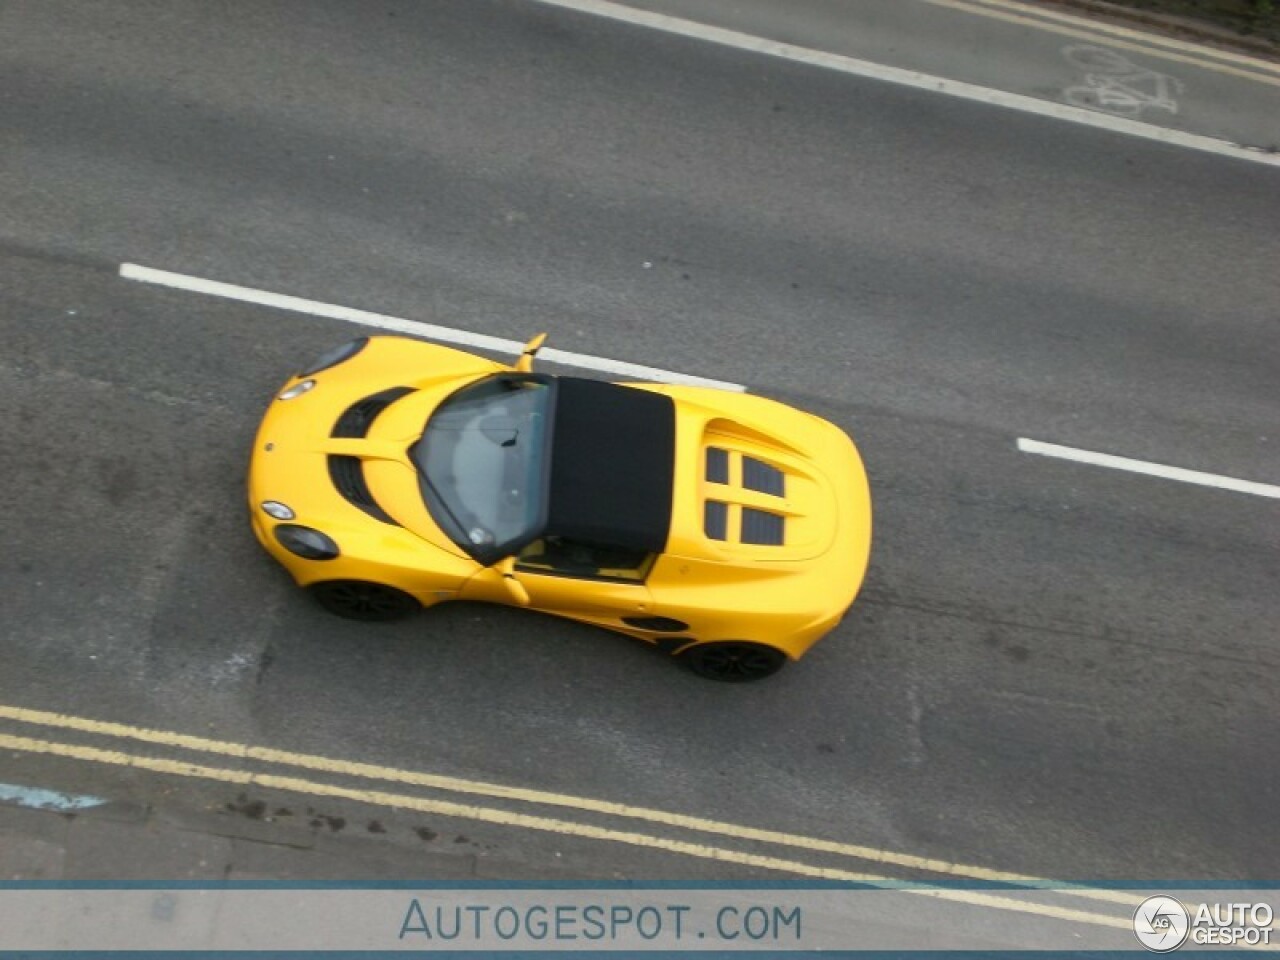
<point x="566" y="827"/>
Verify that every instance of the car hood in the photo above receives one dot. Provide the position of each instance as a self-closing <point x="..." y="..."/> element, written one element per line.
<point x="340" y="451"/>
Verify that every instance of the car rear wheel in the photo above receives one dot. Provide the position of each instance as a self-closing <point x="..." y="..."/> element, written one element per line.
<point x="360" y="600"/>
<point x="734" y="661"/>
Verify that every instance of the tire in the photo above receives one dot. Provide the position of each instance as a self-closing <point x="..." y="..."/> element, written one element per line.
<point x="360" y="600"/>
<point x="734" y="661"/>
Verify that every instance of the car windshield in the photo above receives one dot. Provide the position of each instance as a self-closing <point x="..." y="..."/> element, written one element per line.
<point x="483" y="461"/>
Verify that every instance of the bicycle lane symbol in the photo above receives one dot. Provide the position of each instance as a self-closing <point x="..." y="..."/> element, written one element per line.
<point x="1117" y="86"/>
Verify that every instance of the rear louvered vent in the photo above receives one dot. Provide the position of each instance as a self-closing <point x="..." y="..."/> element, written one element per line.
<point x="358" y="418"/>
<point x="717" y="465"/>
<point x="347" y="474"/>
<point x="761" y="477"/>
<point x="715" y="519"/>
<point x="761" y="527"/>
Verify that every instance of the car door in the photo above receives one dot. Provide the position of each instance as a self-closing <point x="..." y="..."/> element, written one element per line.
<point x="595" y="583"/>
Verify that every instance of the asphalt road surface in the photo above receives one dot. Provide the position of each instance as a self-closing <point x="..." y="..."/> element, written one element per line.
<point x="1055" y="669"/>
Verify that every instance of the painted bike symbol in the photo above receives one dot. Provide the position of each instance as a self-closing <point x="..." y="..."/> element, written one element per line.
<point x="1114" y="85"/>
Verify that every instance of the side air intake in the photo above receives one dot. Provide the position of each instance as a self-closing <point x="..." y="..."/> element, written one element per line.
<point x="347" y="474"/>
<point x="356" y="420"/>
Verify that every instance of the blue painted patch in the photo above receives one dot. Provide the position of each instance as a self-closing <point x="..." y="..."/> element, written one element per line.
<point x="47" y="799"/>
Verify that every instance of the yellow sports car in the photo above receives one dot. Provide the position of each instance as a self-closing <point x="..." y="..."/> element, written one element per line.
<point x="729" y="530"/>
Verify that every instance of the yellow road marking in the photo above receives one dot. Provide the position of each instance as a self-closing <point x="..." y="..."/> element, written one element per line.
<point x="1141" y="36"/>
<point x="1090" y="34"/>
<point x="544" y="798"/>
<point x="545" y="824"/>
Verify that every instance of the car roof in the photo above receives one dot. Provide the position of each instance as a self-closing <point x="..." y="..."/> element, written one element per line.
<point x="612" y="465"/>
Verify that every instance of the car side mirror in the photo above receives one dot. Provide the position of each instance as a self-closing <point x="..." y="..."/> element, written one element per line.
<point x="507" y="569"/>
<point x="525" y="363"/>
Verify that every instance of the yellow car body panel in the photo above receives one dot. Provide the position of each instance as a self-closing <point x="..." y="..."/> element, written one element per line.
<point x="290" y="465"/>
<point x="789" y="595"/>
<point x="803" y="472"/>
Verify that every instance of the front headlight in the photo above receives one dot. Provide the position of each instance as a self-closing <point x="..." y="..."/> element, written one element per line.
<point x="336" y="356"/>
<point x="305" y="542"/>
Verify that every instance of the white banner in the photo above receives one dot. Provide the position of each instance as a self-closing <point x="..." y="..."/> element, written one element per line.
<point x="559" y="918"/>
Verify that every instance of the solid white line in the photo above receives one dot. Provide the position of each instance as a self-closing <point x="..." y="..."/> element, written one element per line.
<point x="430" y="331"/>
<point x="1150" y="469"/>
<point x="912" y="78"/>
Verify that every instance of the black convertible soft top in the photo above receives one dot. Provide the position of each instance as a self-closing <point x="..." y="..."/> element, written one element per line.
<point x="612" y="465"/>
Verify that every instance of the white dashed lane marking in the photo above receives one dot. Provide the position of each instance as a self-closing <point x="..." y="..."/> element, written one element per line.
<point x="1150" y="469"/>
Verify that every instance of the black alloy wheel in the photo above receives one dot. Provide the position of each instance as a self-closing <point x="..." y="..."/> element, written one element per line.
<point x="734" y="661"/>
<point x="359" y="600"/>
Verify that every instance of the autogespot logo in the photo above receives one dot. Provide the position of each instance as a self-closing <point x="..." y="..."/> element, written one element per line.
<point x="1161" y="924"/>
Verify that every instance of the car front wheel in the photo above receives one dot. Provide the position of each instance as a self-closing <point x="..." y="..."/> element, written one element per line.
<point x="734" y="661"/>
<point x="360" y="600"/>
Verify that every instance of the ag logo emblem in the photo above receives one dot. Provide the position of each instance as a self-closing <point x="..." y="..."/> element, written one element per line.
<point x="1161" y="924"/>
